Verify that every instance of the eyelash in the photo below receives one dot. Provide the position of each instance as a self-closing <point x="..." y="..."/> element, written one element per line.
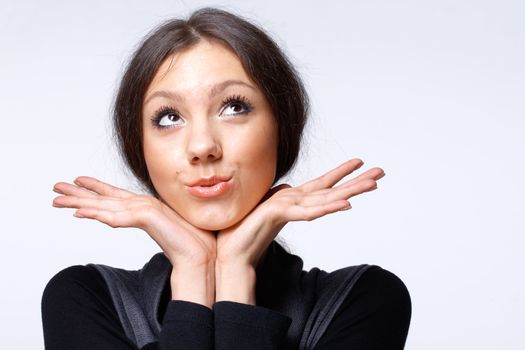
<point x="229" y="101"/>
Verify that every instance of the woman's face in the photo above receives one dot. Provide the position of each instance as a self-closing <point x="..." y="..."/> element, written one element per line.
<point x="210" y="137"/>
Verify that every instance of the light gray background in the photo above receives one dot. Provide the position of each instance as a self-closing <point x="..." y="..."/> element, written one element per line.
<point x="432" y="91"/>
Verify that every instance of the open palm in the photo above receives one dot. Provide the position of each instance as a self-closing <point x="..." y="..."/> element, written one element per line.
<point x="116" y="207"/>
<point x="246" y="241"/>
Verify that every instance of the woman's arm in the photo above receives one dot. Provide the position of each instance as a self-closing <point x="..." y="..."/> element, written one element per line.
<point x="191" y="252"/>
<point x="189" y="319"/>
<point x="375" y="315"/>
<point x="241" y="247"/>
<point x="78" y="313"/>
<point x="194" y="283"/>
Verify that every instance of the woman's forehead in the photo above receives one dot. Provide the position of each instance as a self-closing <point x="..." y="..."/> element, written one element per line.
<point x="203" y="63"/>
<point x="202" y="70"/>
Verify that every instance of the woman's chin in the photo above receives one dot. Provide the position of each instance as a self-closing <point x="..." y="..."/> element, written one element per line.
<point x="213" y="226"/>
<point x="217" y="223"/>
<point x="216" y="216"/>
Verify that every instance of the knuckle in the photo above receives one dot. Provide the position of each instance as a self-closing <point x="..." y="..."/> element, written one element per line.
<point x="372" y="183"/>
<point x="309" y="216"/>
<point x="112" y="221"/>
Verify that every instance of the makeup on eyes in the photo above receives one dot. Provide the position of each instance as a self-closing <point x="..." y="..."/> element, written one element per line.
<point x="173" y="114"/>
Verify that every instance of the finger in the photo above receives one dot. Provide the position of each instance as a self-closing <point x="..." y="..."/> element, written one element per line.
<point x="79" y="202"/>
<point x="110" y="218"/>
<point x="374" y="174"/>
<point x="339" y="193"/>
<point x="102" y="187"/>
<point x="73" y="190"/>
<point x="332" y="177"/>
<point x="309" y="213"/>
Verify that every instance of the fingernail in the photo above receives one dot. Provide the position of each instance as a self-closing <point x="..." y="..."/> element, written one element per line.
<point x="345" y="208"/>
<point x="78" y="215"/>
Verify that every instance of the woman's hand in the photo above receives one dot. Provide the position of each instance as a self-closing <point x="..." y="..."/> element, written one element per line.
<point x="182" y="243"/>
<point x="246" y="242"/>
<point x="191" y="251"/>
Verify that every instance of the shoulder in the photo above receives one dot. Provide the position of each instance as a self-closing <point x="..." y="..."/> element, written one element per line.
<point x="74" y="283"/>
<point x="381" y="293"/>
<point x="372" y="288"/>
<point x="375" y="313"/>
<point x="383" y="284"/>
<point x="71" y="276"/>
<point x="78" y="312"/>
<point x="379" y="304"/>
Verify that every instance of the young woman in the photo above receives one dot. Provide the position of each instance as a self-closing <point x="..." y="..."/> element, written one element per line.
<point x="209" y="116"/>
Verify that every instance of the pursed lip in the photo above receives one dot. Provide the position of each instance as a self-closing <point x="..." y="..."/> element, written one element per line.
<point x="209" y="181"/>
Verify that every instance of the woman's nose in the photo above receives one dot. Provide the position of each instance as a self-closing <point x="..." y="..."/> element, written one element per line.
<point x="203" y="144"/>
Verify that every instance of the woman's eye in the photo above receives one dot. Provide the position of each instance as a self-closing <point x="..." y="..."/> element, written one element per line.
<point x="235" y="108"/>
<point x="170" y="119"/>
<point x="166" y="117"/>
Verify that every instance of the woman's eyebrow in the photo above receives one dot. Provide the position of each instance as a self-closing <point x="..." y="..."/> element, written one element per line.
<point x="214" y="90"/>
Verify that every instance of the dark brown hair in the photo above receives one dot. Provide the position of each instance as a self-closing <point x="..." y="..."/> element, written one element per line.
<point x="260" y="56"/>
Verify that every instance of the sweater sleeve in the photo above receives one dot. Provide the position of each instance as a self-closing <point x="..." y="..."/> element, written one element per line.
<point x="244" y="326"/>
<point x="187" y="325"/>
<point x="375" y="315"/>
<point x="78" y="313"/>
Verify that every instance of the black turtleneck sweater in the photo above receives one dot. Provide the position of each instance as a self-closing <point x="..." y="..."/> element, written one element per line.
<point x="78" y="313"/>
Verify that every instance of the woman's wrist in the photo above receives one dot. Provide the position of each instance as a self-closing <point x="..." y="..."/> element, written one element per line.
<point x="194" y="283"/>
<point x="235" y="282"/>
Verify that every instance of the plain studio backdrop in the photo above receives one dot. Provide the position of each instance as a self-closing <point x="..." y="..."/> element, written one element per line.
<point x="431" y="91"/>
